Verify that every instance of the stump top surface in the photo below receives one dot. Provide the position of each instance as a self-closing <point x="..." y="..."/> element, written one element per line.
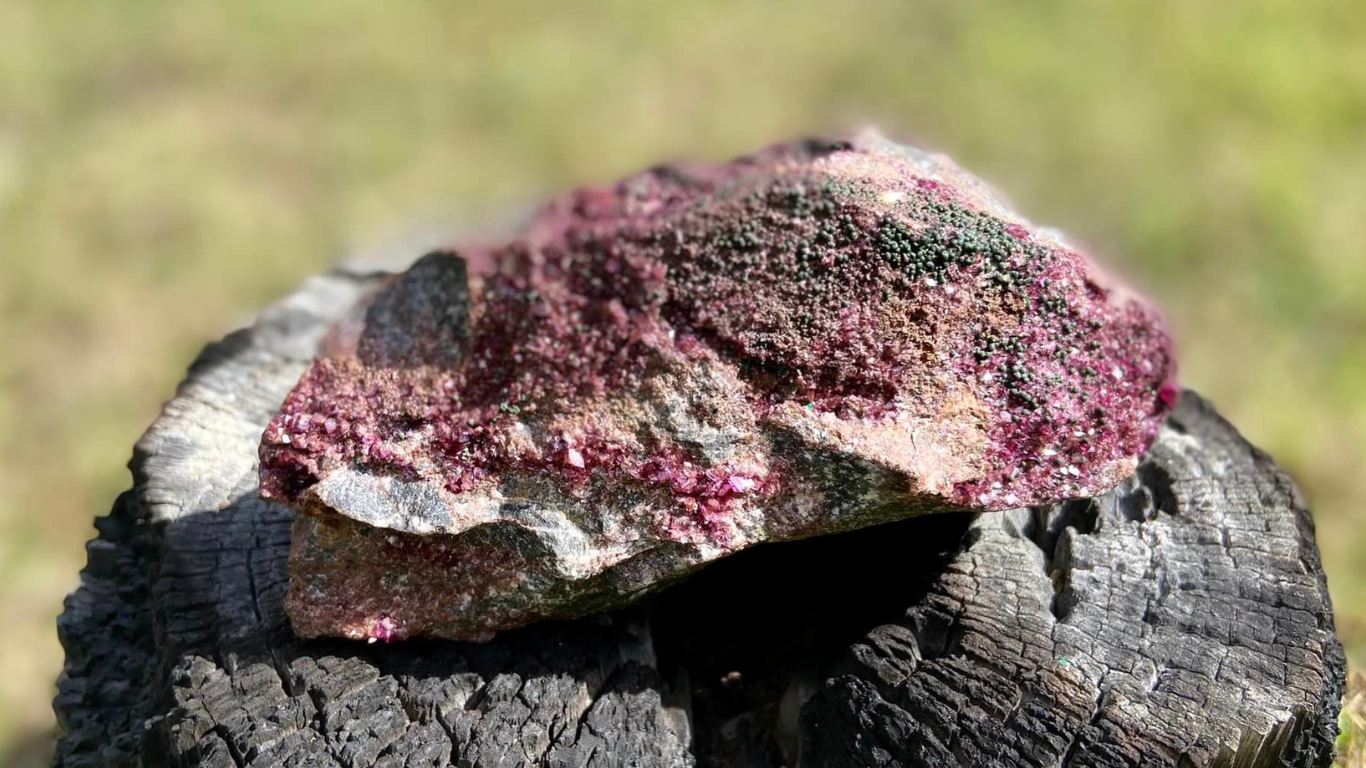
<point x="1182" y="619"/>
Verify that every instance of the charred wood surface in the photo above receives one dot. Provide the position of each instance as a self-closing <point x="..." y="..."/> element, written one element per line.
<point x="1180" y="620"/>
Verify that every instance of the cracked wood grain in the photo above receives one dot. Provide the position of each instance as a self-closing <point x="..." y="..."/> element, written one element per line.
<point x="1181" y="619"/>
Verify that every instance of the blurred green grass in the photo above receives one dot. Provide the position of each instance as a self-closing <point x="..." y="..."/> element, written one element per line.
<point x="166" y="168"/>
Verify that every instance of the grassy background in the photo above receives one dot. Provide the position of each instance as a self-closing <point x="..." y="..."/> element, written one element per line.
<point x="166" y="168"/>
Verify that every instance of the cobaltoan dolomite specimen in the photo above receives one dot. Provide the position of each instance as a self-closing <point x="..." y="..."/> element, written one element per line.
<point x="818" y="337"/>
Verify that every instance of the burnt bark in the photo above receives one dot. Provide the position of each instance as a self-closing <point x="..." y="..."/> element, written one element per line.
<point x="1181" y="619"/>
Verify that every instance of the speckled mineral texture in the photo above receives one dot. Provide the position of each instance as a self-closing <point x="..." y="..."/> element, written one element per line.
<point x="818" y="337"/>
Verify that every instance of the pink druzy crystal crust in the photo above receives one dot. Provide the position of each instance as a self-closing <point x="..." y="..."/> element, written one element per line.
<point x="816" y="337"/>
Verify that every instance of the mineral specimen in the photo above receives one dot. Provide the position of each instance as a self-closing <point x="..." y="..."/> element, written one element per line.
<point x="818" y="337"/>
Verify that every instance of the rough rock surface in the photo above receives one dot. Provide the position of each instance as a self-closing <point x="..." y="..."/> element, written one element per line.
<point x="815" y="338"/>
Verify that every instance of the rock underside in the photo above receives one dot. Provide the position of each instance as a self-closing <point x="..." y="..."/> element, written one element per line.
<point x="653" y="375"/>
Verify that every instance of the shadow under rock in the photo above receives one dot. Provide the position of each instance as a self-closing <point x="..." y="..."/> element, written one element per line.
<point x="753" y="635"/>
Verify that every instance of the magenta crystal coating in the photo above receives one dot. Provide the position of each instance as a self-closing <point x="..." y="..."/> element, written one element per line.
<point x="655" y="374"/>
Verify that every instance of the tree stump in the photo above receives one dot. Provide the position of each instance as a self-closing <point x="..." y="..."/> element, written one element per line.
<point x="1182" y="619"/>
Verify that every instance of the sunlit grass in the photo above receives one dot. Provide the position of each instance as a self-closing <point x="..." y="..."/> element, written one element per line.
<point x="166" y="168"/>
<point x="1352" y="725"/>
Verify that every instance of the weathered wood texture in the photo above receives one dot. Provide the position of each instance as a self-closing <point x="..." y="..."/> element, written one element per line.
<point x="1180" y="620"/>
